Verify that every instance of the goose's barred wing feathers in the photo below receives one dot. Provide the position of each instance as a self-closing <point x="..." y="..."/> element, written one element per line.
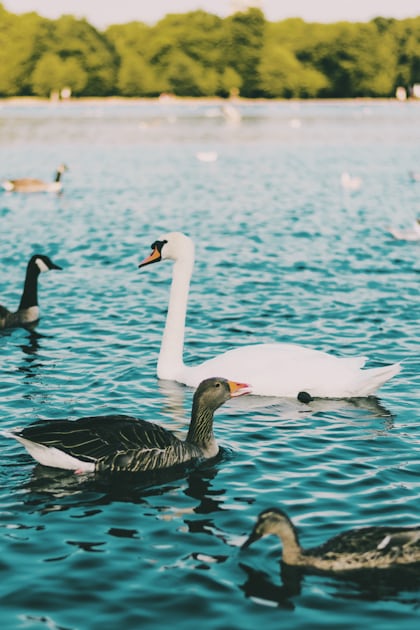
<point x="99" y="437"/>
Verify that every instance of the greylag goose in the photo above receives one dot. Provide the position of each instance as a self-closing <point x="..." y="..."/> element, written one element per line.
<point x="365" y="548"/>
<point x="125" y="444"/>
<point x="31" y="185"/>
<point x="28" y="311"/>
<point x="271" y="369"/>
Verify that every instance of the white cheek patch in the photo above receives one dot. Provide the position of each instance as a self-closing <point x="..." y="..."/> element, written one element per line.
<point x="41" y="265"/>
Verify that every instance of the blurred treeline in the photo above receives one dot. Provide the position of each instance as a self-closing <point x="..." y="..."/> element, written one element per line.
<point x="201" y="54"/>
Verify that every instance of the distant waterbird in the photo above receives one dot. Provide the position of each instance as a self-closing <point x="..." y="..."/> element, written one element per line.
<point x="206" y="156"/>
<point x="350" y="182"/>
<point x="31" y="185"/>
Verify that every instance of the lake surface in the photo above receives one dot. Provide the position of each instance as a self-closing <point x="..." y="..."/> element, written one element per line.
<point x="283" y="253"/>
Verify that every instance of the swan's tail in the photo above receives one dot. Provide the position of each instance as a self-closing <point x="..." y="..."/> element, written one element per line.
<point x="374" y="378"/>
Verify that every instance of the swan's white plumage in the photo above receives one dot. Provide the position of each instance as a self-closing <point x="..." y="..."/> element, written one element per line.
<point x="274" y="369"/>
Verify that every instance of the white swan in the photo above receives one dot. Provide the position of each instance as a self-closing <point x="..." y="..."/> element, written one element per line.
<point x="274" y="369"/>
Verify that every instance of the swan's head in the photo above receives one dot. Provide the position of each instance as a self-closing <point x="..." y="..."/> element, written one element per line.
<point x="171" y="246"/>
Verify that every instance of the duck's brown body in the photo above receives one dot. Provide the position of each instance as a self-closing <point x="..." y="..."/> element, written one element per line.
<point x="364" y="548"/>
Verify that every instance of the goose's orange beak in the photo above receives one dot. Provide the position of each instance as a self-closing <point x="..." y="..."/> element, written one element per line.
<point x="238" y="389"/>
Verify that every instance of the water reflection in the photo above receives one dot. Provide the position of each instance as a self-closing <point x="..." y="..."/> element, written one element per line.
<point x="51" y="489"/>
<point x="258" y="586"/>
<point x="175" y="395"/>
<point x="365" y="584"/>
<point x="31" y="360"/>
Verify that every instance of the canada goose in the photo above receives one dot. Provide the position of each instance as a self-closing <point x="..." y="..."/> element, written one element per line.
<point x="271" y="369"/>
<point x="28" y="311"/>
<point x="29" y="185"/>
<point x="125" y="444"/>
<point x="355" y="549"/>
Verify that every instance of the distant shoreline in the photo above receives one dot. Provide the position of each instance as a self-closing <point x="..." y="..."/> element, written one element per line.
<point x="187" y="100"/>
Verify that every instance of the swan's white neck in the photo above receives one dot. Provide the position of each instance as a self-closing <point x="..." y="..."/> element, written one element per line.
<point x="171" y="350"/>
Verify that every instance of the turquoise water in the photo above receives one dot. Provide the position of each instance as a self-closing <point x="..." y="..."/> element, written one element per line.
<point x="284" y="253"/>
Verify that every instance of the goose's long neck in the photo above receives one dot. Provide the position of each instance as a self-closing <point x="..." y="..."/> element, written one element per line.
<point x="58" y="175"/>
<point x="171" y="350"/>
<point x="200" y="432"/>
<point x="30" y="289"/>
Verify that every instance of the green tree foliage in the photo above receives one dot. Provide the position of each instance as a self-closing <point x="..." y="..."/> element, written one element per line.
<point x="201" y="54"/>
<point x="244" y="41"/>
<point x="406" y="35"/>
<point x="357" y="59"/>
<point x="283" y="75"/>
<point x="136" y="77"/>
<point x="21" y="42"/>
<point x="78" y="40"/>
<point x="52" y="74"/>
<point x="187" y="50"/>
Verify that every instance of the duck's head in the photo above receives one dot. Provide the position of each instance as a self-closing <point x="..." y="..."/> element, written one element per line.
<point x="213" y="392"/>
<point x="170" y="246"/>
<point x="271" y="521"/>
<point x="43" y="263"/>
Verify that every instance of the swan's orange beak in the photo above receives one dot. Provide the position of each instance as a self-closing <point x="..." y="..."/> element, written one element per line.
<point x="238" y="389"/>
<point x="155" y="256"/>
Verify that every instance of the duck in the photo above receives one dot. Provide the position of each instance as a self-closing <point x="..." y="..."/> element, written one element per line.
<point x="28" y="310"/>
<point x="30" y="185"/>
<point x="353" y="550"/>
<point x="120" y="443"/>
<point x="271" y="369"/>
<point x="412" y="234"/>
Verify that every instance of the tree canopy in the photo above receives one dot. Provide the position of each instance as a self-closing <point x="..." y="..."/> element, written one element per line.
<point x="201" y="54"/>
